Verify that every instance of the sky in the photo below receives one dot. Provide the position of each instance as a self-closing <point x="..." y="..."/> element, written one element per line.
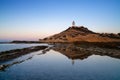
<point x="36" y="19"/>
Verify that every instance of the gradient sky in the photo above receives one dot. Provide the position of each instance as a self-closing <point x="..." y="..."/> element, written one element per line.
<point x="34" y="19"/>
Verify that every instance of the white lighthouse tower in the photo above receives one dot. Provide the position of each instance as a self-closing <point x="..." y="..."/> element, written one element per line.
<point x="73" y="24"/>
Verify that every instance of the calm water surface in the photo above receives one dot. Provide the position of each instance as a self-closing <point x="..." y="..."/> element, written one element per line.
<point x="4" y="47"/>
<point x="55" y="66"/>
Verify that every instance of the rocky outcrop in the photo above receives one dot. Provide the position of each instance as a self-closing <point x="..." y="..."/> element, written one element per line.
<point x="7" y="55"/>
<point x="16" y="41"/>
<point x="110" y="35"/>
<point x="81" y="33"/>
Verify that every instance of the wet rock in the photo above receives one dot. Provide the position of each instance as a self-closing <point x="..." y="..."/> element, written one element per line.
<point x="2" y="67"/>
<point x="7" y="55"/>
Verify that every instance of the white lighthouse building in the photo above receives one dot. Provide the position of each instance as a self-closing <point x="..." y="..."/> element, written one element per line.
<point x="73" y="24"/>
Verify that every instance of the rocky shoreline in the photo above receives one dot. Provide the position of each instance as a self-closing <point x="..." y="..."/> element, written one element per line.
<point x="11" y="54"/>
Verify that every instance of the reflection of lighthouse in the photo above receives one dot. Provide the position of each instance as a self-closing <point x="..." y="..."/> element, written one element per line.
<point x="73" y="62"/>
<point x="73" y="23"/>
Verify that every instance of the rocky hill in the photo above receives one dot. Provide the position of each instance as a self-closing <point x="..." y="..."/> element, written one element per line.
<point x="81" y="33"/>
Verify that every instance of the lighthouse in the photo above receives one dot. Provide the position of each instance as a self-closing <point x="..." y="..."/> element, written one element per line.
<point x="73" y="23"/>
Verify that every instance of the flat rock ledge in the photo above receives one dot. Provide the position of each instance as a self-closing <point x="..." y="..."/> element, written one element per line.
<point x="11" y="54"/>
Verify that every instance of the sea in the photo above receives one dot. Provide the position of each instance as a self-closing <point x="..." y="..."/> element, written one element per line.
<point x="55" y="65"/>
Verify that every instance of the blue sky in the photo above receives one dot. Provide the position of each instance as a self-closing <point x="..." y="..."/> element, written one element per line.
<point x="34" y="19"/>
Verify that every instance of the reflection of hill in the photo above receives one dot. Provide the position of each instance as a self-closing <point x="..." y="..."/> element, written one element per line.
<point x="72" y="52"/>
<point x="79" y="52"/>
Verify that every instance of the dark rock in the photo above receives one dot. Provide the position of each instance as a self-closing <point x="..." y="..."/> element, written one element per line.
<point x="7" y="55"/>
<point x="2" y="67"/>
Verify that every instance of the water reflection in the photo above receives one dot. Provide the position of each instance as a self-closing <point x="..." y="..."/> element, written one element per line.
<point x="71" y="51"/>
<point x="5" y="64"/>
<point x="81" y="52"/>
<point x="52" y="64"/>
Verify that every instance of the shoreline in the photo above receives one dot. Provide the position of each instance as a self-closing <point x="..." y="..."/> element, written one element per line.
<point x="18" y="53"/>
<point x="11" y="54"/>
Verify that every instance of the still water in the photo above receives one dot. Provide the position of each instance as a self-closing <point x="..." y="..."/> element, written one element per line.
<point x="4" y="47"/>
<point x="54" y="65"/>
